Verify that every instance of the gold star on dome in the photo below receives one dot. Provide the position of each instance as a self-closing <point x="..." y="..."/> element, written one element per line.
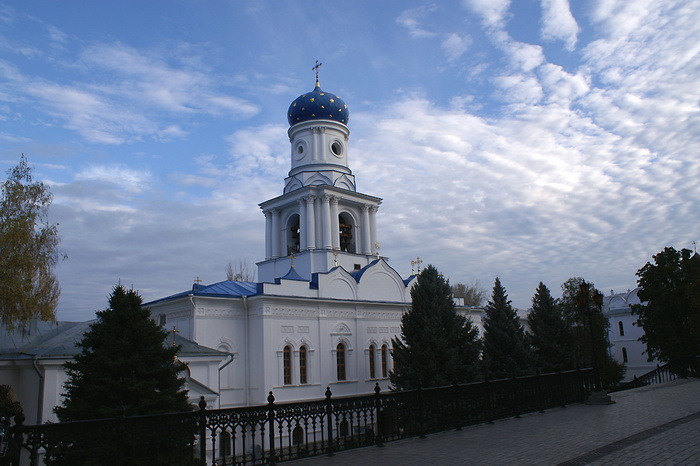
<point x="332" y="100"/>
<point x="312" y="99"/>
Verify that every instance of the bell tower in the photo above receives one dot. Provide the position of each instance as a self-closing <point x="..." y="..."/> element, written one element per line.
<point x="320" y="221"/>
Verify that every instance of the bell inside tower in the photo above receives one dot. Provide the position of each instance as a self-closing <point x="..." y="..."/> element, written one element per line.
<point x="293" y="242"/>
<point x="347" y="241"/>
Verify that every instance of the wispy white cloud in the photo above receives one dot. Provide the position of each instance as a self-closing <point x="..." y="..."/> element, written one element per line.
<point x="493" y="13"/>
<point x="455" y="46"/>
<point x="558" y="23"/>
<point x="410" y="19"/>
<point x="125" y="178"/>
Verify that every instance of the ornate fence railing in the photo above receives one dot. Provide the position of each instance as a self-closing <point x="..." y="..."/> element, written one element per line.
<point x="666" y="373"/>
<point x="283" y="431"/>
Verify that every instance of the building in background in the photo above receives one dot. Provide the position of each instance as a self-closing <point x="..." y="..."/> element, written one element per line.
<point x="624" y="333"/>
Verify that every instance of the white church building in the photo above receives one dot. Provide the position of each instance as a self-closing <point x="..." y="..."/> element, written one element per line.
<point x="323" y="313"/>
<point x="328" y="304"/>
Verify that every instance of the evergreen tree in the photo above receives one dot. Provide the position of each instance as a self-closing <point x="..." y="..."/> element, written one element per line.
<point x="124" y="367"/>
<point x="670" y="313"/>
<point x="437" y="346"/>
<point x="506" y="353"/>
<point x="550" y="335"/>
<point x="581" y="304"/>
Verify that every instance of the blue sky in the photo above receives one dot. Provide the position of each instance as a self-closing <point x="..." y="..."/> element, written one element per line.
<point x="530" y="140"/>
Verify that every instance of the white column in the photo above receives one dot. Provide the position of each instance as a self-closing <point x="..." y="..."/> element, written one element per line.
<point x="310" y="223"/>
<point x="268" y="235"/>
<point x="366" y="242"/>
<point x="326" y="221"/>
<point x="275" y="233"/>
<point x="373" y="228"/>
<point x="335" y="228"/>
<point x="302" y="225"/>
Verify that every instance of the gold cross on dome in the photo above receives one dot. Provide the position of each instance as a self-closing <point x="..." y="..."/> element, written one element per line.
<point x="291" y="258"/>
<point x="414" y="263"/>
<point x="315" y="68"/>
<point x="198" y="280"/>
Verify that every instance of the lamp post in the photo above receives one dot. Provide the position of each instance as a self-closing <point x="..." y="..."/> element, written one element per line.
<point x="598" y="396"/>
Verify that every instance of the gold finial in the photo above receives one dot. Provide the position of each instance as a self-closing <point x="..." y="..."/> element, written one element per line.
<point x="198" y="280"/>
<point x="376" y="248"/>
<point x="291" y="258"/>
<point x="315" y="68"/>
<point x="335" y="258"/>
<point x="174" y="331"/>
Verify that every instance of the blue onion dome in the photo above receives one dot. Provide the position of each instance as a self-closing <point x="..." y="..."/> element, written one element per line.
<point x="317" y="105"/>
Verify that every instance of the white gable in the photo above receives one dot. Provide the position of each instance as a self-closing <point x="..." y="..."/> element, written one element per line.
<point x="380" y="282"/>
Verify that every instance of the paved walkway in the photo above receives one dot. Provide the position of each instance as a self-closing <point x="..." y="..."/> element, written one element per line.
<point x="651" y="425"/>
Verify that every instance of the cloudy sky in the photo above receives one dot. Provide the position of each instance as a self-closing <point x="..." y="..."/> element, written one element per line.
<point x="534" y="140"/>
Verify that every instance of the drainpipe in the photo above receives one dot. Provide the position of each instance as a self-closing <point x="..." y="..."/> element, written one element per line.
<point x="230" y="355"/>
<point x="194" y="311"/>
<point x="247" y="351"/>
<point x="40" y="397"/>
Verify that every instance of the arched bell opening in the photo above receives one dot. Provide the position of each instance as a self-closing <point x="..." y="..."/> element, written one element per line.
<point x="347" y="233"/>
<point x="293" y="242"/>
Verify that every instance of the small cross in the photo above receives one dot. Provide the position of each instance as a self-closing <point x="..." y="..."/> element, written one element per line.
<point x="291" y="258"/>
<point x="695" y="250"/>
<point x="315" y="68"/>
<point x="198" y="280"/>
<point x="335" y="258"/>
<point x="376" y="248"/>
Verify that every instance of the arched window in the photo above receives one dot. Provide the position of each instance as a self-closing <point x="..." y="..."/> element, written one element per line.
<point x="293" y="234"/>
<point x="385" y="357"/>
<point x="340" y="361"/>
<point x="347" y="240"/>
<point x="303" y="365"/>
<point x="372" y="372"/>
<point x="287" y="362"/>
<point x="622" y="329"/>
<point x="624" y="354"/>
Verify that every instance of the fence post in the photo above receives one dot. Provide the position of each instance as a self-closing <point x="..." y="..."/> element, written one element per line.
<point x="329" y="414"/>
<point x="540" y="392"/>
<point x="271" y="421"/>
<point x="15" y="435"/>
<point x="202" y="431"/>
<point x="421" y="412"/>
<point x="490" y="415"/>
<point x="378" y="407"/>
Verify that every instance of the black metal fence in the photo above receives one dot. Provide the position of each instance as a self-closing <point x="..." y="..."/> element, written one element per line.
<point x="666" y="373"/>
<point x="283" y="431"/>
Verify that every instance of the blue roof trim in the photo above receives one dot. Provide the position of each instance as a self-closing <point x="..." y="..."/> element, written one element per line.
<point x="291" y="275"/>
<point x="357" y="274"/>
<point x="225" y="289"/>
<point x="408" y="280"/>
